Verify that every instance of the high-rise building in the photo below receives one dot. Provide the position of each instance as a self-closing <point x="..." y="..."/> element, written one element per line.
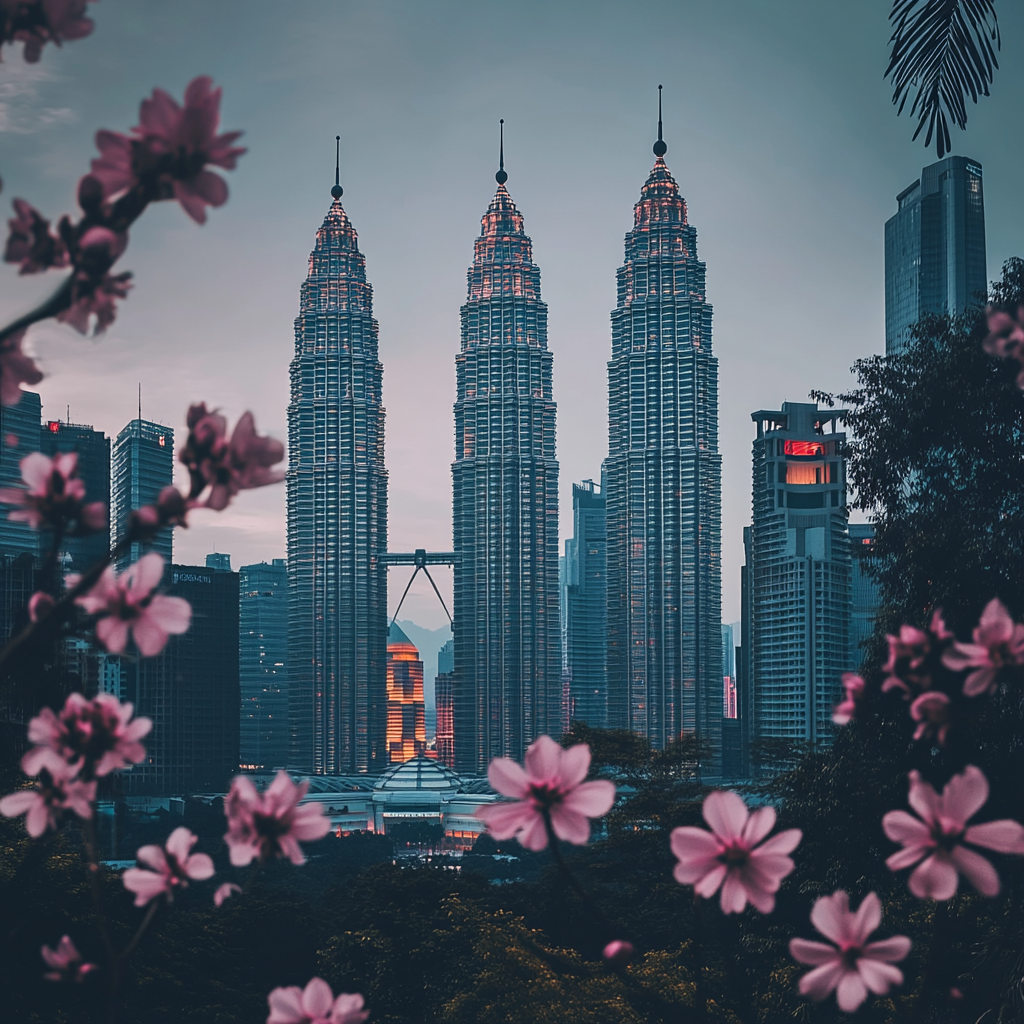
<point x="337" y="515"/>
<point x="407" y="735"/>
<point x="19" y="436"/>
<point x="586" y="613"/>
<point x="865" y="592"/>
<point x="935" y="248"/>
<point x="505" y="504"/>
<point x="798" y="573"/>
<point x="190" y="691"/>
<point x="93" y="450"/>
<point x="444" y="688"/>
<point x="262" y="663"/>
<point x="142" y="465"/>
<point x="664" y="483"/>
<point x="730" y="703"/>
<point x="734" y="747"/>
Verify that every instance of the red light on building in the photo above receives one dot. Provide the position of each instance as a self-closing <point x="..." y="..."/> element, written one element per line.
<point x="804" y="448"/>
<point x="53" y="426"/>
<point x="161" y="440"/>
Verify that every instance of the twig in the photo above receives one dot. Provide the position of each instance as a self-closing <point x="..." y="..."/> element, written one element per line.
<point x="56" y="303"/>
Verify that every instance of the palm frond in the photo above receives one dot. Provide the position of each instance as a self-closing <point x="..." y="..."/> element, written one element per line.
<point x="943" y="49"/>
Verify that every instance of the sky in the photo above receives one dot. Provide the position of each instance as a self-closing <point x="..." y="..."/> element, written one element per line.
<point x="781" y="134"/>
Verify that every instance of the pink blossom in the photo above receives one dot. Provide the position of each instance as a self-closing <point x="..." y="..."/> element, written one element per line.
<point x="127" y="605"/>
<point x="95" y="737"/>
<point x="227" y="467"/>
<point x="1006" y="337"/>
<point x="16" y="369"/>
<point x="91" y="297"/>
<point x="931" y="711"/>
<point x="998" y="642"/>
<point x="935" y="841"/>
<point x="853" y="966"/>
<point x="55" y="792"/>
<point x="271" y="824"/>
<point x="729" y="855"/>
<point x="40" y="604"/>
<point x="171" y="509"/>
<point x="224" y="892"/>
<point x="171" y="866"/>
<point x="315" y="1005"/>
<point x="618" y="953"/>
<point x="55" y="496"/>
<point x="38" y="22"/>
<point x="844" y="711"/>
<point x="908" y="656"/>
<point x="550" y="785"/>
<point x="30" y="242"/>
<point x="65" y="962"/>
<point x="170" y="149"/>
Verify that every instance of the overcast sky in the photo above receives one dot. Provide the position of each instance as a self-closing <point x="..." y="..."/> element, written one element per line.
<point x="780" y="132"/>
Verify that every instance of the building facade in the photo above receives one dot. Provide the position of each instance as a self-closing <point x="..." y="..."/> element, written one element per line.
<point x="935" y="248"/>
<point x="19" y="436"/>
<point x="407" y="736"/>
<point x="865" y="593"/>
<point x="142" y="465"/>
<point x="337" y="515"/>
<point x="505" y="503"/>
<point x="444" y="689"/>
<point x="664" y="484"/>
<point x="798" y="573"/>
<point x="586" y="613"/>
<point x="262" y="663"/>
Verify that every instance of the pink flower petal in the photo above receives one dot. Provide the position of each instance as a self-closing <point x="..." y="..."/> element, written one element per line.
<point x="543" y="760"/>
<point x="867" y="918"/>
<point x="758" y="825"/>
<point x="734" y="894"/>
<point x="146" y="574"/>
<point x="150" y="639"/>
<point x="819" y="983"/>
<point x="965" y="794"/>
<point x="503" y="821"/>
<point x="317" y="998"/>
<point x="902" y="827"/>
<point x="199" y="867"/>
<point x="895" y="948"/>
<point x="574" y="767"/>
<point x="980" y="682"/>
<point x="171" y="614"/>
<point x="697" y="851"/>
<point x="112" y="632"/>
<point x="570" y="826"/>
<point x="180" y="843"/>
<point x="851" y="991"/>
<point x="878" y="976"/>
<point x="508" y="778"/>
<point x="593" y="799"/>
<point x="807" y="952"/>
<point x="534" y="835"/>
<point x="286" y="1006"/>
<point x="831" y="916"/>
<point x="784" y="842"/>
<point x="224" y="892"/>
<point x="147" y="885"/>
<point x="976" y="869"/>
<point x="935" y="879"/>
<point x="153" y="856"/>
<point x="1003" y="836"/>
<point x="726" y="813"/>
<point x="708" y="885"/>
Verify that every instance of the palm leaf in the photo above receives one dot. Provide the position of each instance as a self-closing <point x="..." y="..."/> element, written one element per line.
<point x="944" y="50"/>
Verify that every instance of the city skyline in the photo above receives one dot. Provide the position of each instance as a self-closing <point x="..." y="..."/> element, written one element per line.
<point x="819" y="189"/>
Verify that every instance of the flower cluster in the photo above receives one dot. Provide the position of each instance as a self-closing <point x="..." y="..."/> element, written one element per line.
<point x="56" y="791"/>
<point x="998" y="643"/>
<point x="126" y="605"/>
<point x="914" y="654"/>
<point x="38" y="22"/>
<point x="65" y="962"/>
<point x="16" y="368"/>
<point x="170" y="867"/>
<point x="55" y="497"/>
<point x="1005" y="338"/>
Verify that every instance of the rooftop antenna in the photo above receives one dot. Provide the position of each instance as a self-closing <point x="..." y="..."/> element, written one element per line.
<point x="140" y="405"/>
<point x="660" y="149"/>
<point x="501" y="177"/>
<point x="337" y="191"/>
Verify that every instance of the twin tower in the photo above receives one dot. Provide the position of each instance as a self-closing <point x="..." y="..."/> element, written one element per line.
<point x="663" y="500"/>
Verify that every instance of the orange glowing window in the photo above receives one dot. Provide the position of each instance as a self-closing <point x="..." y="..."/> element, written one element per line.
<point x="161" y="440"/>
<point x="806" y="473"/>
<point x="804" y="448"/>
<point x="53" y="426"/>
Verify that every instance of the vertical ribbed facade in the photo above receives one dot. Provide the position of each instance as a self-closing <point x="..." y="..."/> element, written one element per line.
<point x="663" y="500"/>
<point x="505" y="504"/>
<point x="337" y="516"/>
<point x="142" y="465"/>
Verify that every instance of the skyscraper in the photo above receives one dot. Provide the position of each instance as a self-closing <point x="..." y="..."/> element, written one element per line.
<point x="93" y="449"/>
<point x="664" y="483"/>
<point x="337" y="514"/>
<point x="19" y="436"/>
<point x="935" y="248"/>
<point x="142" y="465"/>
<point x="505" y="502"/>
<point x="798" y="574"/>
<point x="262" y="663"/>
<point x="865" y="592"/>
<point x="586" y="612"/>
<point x="444" y="685"/>
<point x="406" y="728"/>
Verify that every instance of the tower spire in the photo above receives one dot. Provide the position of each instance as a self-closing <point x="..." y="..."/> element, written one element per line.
<point x="337" y="191"/>
<point x="501" y="177"/>
<point x="660" y="149"/>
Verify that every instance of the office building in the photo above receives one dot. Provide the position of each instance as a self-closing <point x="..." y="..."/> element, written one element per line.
<point x="142" y="465"/>
<point x="262" y="663"/>
<point x="935" y="248"/>
<point x="337" y="515"/>
<point x="19" y="436"/>
<point x="93" y="450"/>
<point x="444" y="688"/>
<point x="663" y="496"/>
<point x="586" y="613"/>
<point x="730" y="703"/>
<point x="406" y="737"/>
<point x="798" y="574"/>
<point x="508" y="686"/>
<point x="190" y="691"/>
<point x="865" y="593"/>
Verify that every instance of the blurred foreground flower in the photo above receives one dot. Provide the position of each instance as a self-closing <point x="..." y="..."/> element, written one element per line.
<point x="729" y="855"/>
<point x="315" y="1005"/>
<point x="1006" y="337"/>
<point x="56" y="791"/>
<point x="843" y="712"/>
<point x="30" y="243"/>
<point x="171" y="866"/>
<point x="998" y="642"/>
<point x="16" y="369"/>
<point x="55" y="496"/>
<point x="38" y="22"/>
<point x="853" y="966"/>
<point x="550" y="785"/>
<point x="65" y="962"/>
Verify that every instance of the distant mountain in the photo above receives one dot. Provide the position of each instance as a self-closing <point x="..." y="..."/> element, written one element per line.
<point x="428" y="642"/>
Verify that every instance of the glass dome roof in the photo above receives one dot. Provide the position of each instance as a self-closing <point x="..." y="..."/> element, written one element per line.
<point x="418" y="773"/>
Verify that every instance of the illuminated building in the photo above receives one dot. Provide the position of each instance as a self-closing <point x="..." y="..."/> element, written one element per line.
<point x="730" y="705"/>
<point x="406" y="735"/>
<point x="663" y="498"/>
<point x="935" y="248"/>
<point x="262" y="663"/>
<point x="797" y="573"/>
<point x="93" y="448"/>
<point x="586" y="615"/>
<point x="142" y="465"/>
<point x="19" y="435"/>
<point x="444" y="686"/>
<point x="337" y="514"/>
<point x="866" y="595"/>
<point x="505" y="503"/>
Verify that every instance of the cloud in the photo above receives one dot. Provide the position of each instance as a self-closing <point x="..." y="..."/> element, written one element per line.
<point x="21" y="107"/>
